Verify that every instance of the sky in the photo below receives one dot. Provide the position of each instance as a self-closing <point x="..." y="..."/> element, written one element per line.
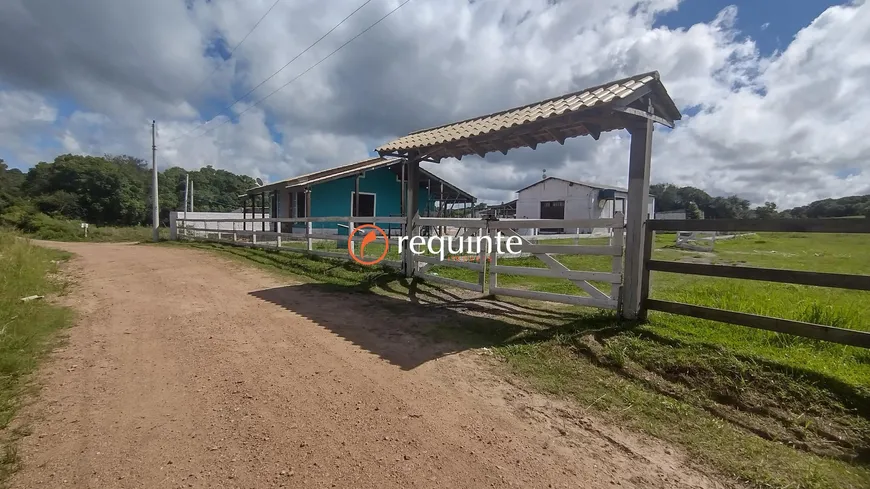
<point x="772" y="92"/>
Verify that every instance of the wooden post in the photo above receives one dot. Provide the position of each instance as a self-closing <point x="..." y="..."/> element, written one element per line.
<point x="309" y="228"/>
<point x="173" y="225"/>
<point x="617" y="238"/>
<point x="262" y="210"/>
<point x="278" y="230"/>
<point x="404" y="205"/>
<point x="638" y="194"/>
<point x="253" y="211"/>
<point x="412" y="211"/>
<point x="273" y="210"/>
<point x="354" y="212"/>
<point x="649" y="242"/>
<point x="493" y="260"/>
<point x="443" y="206"/>
<point x="293" y="211"/>
<point x="481" y="275"/>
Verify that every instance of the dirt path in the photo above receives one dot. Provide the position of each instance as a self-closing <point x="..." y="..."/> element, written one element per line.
<point x="187" y="370"/>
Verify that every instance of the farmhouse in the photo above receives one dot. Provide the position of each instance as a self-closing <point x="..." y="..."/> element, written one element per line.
<point x="559" y="198"/>
<point x="381" y="185"/>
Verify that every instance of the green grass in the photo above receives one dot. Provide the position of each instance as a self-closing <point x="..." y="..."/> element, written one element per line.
<point x="27" y="329"/>
<point x="33" y="224"/>
<point x="771" y="409"/>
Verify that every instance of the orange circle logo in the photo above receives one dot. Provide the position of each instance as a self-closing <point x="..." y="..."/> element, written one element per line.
<point x="369" y="237"/>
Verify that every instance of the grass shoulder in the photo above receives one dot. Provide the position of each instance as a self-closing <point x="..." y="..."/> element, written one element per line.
<point x="28" y="329"/>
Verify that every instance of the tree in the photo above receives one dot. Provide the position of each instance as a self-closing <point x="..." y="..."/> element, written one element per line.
<point x="693" y="211"/>
<point x="10" y="186"/>
<point x="767" y="211"/>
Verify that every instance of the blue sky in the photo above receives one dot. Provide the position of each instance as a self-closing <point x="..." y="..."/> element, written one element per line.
<point x="771" y="23"/>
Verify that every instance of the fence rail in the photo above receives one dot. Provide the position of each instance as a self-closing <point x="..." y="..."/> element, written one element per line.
<point x="819" y="279"/>
<point x="555" y="269"/>
<point x="422" y="263"/>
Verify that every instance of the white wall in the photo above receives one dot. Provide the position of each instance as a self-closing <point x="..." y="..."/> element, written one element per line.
<point x="223" y="226"/>
<point x="581" y="202"/>
<point x="671" y="215"/>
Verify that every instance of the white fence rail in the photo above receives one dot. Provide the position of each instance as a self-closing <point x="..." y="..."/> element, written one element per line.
<point x="556" y="269"/>
<point x="301" y="235"/>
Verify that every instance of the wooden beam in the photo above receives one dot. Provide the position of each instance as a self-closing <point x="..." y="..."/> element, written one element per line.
<point x="818" y="279"/>
<point x="645" y="115"/>
<point x="530" y="141"/>
<point x="594" y="130"/>
<point x="787" y="326"/>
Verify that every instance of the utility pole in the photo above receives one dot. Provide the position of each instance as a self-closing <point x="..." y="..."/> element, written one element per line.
<point x="186" y="189"/>
<point x="155" y="205"/>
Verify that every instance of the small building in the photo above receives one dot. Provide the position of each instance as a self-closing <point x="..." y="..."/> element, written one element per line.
<point x="331" y="192"/>
<point x="679" y="214"/>
<point x="559" y="198"/>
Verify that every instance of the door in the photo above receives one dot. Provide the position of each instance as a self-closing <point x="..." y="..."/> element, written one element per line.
<point x="552" y="209"/>
<point x="366" y="207"/>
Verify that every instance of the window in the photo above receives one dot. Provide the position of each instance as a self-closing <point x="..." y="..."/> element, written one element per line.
<point x="552" y="209"/>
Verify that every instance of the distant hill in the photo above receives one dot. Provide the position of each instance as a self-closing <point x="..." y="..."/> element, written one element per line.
<point x="856" y="205"/>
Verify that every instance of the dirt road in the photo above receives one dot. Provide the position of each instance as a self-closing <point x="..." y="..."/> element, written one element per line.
<point x="188" y="370"/>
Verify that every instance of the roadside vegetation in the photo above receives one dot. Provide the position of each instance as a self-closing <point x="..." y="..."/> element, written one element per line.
<point x="773" y="410"/>
<point x="27" y="328"/>
<point x="111" y="193"/>
<point x="28" y="221"/>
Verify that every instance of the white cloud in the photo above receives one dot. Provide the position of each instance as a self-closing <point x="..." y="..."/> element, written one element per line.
<point x="768" y="128"/>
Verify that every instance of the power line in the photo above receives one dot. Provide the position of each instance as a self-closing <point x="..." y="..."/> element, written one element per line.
<point x="237" y="46"/>
<point x="225" y="109"/>
<point x="306" y="71"/>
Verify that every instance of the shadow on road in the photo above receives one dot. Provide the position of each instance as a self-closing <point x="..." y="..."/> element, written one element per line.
<point x="424" y="324"/>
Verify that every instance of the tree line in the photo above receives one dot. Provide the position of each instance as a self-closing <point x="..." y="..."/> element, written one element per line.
<point x="114" y="190"/>
<point x="698" y="203"/>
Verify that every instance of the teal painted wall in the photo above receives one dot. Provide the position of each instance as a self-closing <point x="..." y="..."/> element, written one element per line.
<point x="334" y="198"/>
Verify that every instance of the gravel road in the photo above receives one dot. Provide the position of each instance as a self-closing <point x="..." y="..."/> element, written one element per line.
<point x="185" y="369"/>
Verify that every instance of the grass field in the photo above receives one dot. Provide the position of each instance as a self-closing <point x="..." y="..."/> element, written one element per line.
<point x="26" y="328"/>
<point x="771" y="409"/>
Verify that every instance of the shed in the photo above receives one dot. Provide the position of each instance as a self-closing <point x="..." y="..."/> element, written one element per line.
<point x="379" y="181"/>
<point x="561" y="198"/>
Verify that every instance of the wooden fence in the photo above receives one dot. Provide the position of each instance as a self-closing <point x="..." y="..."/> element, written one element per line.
<point x="820" y="279"/>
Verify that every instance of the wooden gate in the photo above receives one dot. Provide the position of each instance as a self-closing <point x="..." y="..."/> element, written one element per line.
<point x="464" y="227"/>
<point x="555" y="269"/>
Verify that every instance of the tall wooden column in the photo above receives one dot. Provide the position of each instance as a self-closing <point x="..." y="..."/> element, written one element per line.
<point x="412" y="208"/>
<point x="638" y="195"/>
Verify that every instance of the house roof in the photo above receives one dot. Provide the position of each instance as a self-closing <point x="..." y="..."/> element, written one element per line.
<point x="322" y="176"/>
<point x="576" y="182"/>
<point x="591" y="111"/>
<point x="450" y="193"/>
<point x="341" y="172"/>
